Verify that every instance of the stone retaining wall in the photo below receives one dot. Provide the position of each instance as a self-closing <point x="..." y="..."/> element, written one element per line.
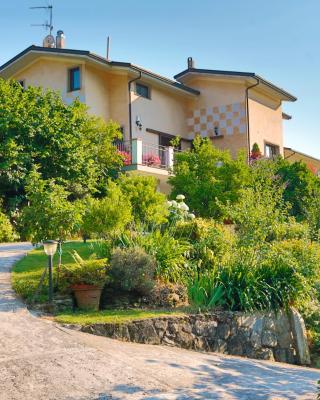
<point x="261" y="336"/>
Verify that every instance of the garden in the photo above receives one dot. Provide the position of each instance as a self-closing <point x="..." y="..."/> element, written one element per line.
<point x="230" y="236"/>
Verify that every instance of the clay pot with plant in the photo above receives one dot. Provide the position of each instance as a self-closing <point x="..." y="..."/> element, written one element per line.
<point x="86" y="279"/>
<point x="255" y="152"/>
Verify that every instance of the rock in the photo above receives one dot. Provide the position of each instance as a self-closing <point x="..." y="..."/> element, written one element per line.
<point x="143" y="332"/>
<point x="220" y="346"/>
<point x="160" y="324"/>
<point x="235" y="346"/>
<point x="223" y="331"/>
<point x="168" y="342"/>
<point x="261" y="336"/>
<point x="200" y="344"/>
<point x="300" y="336"/>
<point x="269" y="339"/>
<point x="185" y="340"/>
<point x="264" y="354"/>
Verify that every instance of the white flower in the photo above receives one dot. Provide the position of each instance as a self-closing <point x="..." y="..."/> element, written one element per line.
<point x="180" y="197"/>
<point x="191" y="216"/>
<point x="174" y="203"/>
<point x="169" y="203"/>
<point x="184" y="207"/>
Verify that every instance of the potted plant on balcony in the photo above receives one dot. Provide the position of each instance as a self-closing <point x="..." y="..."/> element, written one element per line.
<point x="151" y="159"/>
<point x="126" y="157"/>
<point x="86" y="278"/>
<point x="255" y="152"/>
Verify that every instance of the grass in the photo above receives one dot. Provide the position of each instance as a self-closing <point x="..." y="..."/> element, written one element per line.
<point x="112" y="316"/>
<point x="27" y="271"/>
<point x="26" y="275"/>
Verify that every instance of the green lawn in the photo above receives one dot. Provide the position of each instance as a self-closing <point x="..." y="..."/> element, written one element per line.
<point x="27" y="271"/>
<point x="112" y="316"/>
<point x="26" y="276"/>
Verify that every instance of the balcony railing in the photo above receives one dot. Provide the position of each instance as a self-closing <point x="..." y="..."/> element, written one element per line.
<point x="137" y="152"/>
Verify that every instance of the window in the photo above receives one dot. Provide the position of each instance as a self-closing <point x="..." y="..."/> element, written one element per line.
<point x="143" y="91"/>
<point x="74" y="79"/>
<point x="271" y="150"/>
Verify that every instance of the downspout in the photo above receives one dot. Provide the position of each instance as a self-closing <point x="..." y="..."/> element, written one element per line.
<point x="247" y="115"/>
<point x="130" y="108"/>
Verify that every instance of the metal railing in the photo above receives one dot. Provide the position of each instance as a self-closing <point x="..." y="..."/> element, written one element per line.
<point x="125" y="150"/>
<point x="155" y="156"/>
<point x="137" y="152"/>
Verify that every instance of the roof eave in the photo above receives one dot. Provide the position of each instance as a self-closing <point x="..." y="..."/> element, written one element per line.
<point x="91" y="56"/>
<point x="193" y="71"/>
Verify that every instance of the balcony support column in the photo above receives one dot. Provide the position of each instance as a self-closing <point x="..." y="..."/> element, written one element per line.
<point x="170" y="157"/>
<point x="136" y="146"/>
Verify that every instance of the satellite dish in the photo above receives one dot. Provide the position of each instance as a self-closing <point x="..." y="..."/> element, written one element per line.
<point x="48" y="41"/>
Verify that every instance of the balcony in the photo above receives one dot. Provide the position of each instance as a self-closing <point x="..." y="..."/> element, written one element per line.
<point x="146" y="157"/>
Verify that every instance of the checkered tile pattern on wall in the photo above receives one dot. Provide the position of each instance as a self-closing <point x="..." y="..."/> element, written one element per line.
<point x="229" y="119"/>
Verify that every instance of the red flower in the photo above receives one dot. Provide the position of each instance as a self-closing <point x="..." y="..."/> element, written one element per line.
<point x="151" y="159"/>
<point x="126" y="157"/>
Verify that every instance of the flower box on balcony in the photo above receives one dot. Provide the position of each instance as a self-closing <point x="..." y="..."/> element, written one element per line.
<point x="151" y="159"/>
<point x="126" y="157"/>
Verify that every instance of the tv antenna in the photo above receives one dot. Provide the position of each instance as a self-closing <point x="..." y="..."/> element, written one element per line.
<point x="48" y="24"/>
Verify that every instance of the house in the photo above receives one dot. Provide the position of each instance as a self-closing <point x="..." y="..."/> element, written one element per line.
<point x="233" y="109"/>
<point x="294" y="155"/>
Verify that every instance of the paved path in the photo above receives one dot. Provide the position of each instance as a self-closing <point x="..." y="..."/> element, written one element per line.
<point x="40" y="360"/>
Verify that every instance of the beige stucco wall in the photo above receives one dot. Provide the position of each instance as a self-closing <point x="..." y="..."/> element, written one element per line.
<point x="97" y="92"/>
<point x="164" y="112"/>
<point x="53" y="74"/>
<point x="266" y="124"/>
<point x="105" y="93"/>
<point x="221" y="104"/>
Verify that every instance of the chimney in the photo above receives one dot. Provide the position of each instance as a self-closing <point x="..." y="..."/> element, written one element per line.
<point x="60" y="40"/>
<point x="190" y="63"/>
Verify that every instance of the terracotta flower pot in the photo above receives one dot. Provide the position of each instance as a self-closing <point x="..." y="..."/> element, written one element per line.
<point x="87" y="296"/>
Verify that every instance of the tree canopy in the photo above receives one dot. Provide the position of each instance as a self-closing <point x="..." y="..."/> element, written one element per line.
<point x="64" y="142"/>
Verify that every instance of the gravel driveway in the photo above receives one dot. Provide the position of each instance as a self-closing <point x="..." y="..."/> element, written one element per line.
<point x="41" y="360"/>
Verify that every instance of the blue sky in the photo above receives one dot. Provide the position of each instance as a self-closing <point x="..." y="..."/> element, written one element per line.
<point x="278" y="39"/>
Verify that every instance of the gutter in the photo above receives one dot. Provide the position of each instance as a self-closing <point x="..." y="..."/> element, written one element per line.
<point x="130" y="104"/>
<point x="247" y="114"/>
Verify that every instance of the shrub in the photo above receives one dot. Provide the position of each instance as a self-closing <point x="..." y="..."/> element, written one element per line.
<point x="179" y="210"/>
<point x="85" y="272"/>
<point x="169" y="295"/>
<point x="6" y="230"/>
<point x="170" y="255"/>
<point x="107" y="216"/>
<point x="211" y="243"/>
<point x="265" y="278"/>
<point x="205" y="174"/>
<point x="258" y="213"/>
<point x="49" y="214"/>
<point x="132" y="269"/>
<point x="148" y="205"/>
<point x="203" y="292"/>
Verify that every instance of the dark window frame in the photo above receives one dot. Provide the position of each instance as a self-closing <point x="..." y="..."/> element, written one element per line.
<point x="22" y="83"/>
<point x="271" y="146"/>
<point x="71" y="81"/>
<point x="144" y="86"/>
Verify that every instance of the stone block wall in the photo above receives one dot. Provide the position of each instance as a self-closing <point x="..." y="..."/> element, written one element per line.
<point x="266" y="336"/>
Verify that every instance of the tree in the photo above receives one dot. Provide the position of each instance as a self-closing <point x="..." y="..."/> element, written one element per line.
<point x="108" y="215"/>
<point x="301" y="187"/>
<point x="63" y="141"/>
<point x="49" y="214"/>
<point x="205" y="174"/>
<point x="7" y="233"/>
<point x="148" y="205"/>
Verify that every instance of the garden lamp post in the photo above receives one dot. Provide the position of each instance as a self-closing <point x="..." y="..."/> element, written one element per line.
<point x="50" y="247"/>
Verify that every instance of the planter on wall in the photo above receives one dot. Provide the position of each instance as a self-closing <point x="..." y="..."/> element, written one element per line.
<point x="87" y="296"/>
